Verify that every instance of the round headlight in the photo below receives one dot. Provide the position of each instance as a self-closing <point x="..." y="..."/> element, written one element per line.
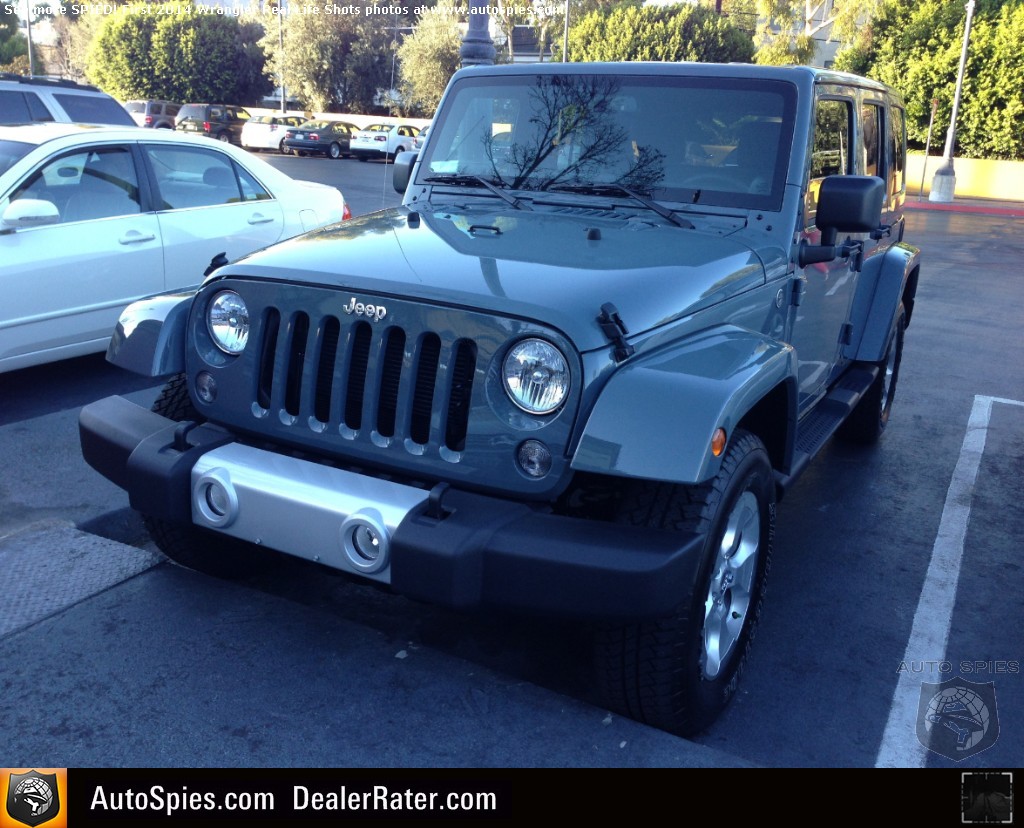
<point x="228" y="321"/>
<point x="536" y="376"/>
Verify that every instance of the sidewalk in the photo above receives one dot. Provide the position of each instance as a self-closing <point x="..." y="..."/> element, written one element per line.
<point x="981" y="206"/>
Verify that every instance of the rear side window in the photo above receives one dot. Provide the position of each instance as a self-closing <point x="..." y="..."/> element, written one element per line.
<point x="189" y="177"/>
<point x="898" y="137"/>
<point x="871" y="132"/>
<point x="18" y="107"/>
<point x="94" y="109"/>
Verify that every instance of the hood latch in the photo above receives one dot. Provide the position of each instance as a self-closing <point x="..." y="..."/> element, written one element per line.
<point x="614" y="329"/>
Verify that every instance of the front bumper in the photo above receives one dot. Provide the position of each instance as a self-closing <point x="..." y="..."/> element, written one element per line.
<point x="445" y="546"/>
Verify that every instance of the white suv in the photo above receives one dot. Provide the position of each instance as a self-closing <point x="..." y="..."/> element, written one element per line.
<point x="26" y="100"/>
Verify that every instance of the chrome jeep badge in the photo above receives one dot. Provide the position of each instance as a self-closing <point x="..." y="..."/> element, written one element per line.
<point x="374" y="312"/>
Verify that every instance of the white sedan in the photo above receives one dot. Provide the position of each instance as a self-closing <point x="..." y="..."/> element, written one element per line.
<point x="266" y="132"/>
<point x="383" y="140"/>
<point x="92" y="219"/>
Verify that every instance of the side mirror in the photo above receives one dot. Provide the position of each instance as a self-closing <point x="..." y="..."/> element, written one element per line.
<point x="404" y="162"/>
<point x="846" y="204"/>
<point x="28" y="212"/>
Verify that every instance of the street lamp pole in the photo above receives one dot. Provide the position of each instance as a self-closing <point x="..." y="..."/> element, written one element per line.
<point x="944" y="182"/>
<point x="477" y="48"/>
<point x="281" y="52"/>
<point x="565" y="35"/>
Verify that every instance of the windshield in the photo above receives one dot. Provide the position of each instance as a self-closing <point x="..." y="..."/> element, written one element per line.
<point x="686" y="139"/>
<point x="11" y="151"/>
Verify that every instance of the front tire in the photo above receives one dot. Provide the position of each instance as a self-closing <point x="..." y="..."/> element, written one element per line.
<point x="678" y="673"/>
<point x="204" y="551"/>
<point x="334" y="150"/>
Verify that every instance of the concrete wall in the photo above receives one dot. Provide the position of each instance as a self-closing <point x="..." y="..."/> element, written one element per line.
<point x="999" y="180"/>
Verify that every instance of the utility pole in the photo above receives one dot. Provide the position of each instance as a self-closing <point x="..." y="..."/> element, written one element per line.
<point x="477" y="48"/>
<point x="944" y="182"/>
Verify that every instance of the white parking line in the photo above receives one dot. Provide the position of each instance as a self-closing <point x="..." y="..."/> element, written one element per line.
<point x="929" y="635"/>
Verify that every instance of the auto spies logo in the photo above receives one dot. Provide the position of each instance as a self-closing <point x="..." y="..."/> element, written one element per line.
<point x="33" y="797"/>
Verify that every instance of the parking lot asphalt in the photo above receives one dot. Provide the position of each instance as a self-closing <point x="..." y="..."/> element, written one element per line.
<point x="181" y="684"/>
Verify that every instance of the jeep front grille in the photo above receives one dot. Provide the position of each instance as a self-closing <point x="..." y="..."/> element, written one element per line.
<point x="346" y="374"/>
<point x="415" y="393"/>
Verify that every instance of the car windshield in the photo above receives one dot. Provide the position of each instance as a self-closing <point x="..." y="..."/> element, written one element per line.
<point x="720" y="141"/>
<point x="377" y="128"/>
<point x="135" y="106"/>
<point x="10" y="152"/>
<point x="316" y="124"/>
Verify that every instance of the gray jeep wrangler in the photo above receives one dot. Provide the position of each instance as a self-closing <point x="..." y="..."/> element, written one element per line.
<point x="620" y="310"/>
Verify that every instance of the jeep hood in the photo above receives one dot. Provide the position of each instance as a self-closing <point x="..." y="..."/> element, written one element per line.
<point x="558" y="270"/>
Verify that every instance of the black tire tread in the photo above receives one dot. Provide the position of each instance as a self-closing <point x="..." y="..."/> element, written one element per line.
<point x="209" y="552"/>
<point x="866" y="422"/>
<point x="642" y="667"/>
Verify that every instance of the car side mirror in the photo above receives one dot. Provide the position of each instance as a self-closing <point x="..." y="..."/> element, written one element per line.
<point x="846" y="204"/>
<point x="28" y="212"/>
<point x="404" y="162"/>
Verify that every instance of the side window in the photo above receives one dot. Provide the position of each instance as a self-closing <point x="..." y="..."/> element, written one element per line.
<point x="37" y="109"/>
<point x="871" y="130"/>
<point x="22" y="107"/>
<point x="88" y="184"/>
<point x="94" y="109"/>
<point x="252" y="190"/>
<point x="187" y="177"/>
<point x="830" y="152"/>
<point x="898" y="137"/>
<point x="13" y="108"/>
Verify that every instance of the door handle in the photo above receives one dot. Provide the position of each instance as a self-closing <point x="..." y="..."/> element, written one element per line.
<point x="135" y="237"/>
<point x="259" y="218"/>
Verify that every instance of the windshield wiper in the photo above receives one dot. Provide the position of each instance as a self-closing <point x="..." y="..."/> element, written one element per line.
<point x="612" y="189"/>
<point x="462" y="179"/>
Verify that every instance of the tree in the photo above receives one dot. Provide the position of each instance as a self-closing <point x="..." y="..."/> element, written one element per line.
<point x="12" y="42"/>
<point x="428" y="58"/>
<point x="786" y="29"/>
<point x="916" y="48"/>
<point x="175" y="52"/>
<point x="74" y="34"/>
<point x="662" y="33"/>
<point x="331" y="59"/>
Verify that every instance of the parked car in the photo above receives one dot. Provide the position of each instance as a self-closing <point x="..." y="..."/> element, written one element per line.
<point x="383" y="140"/>
<point x="220" y="121"/>
<point x="421" y="137"/>
<point x="94" y="218"/>
<point x="267" y="132"/>
<point x="153" y="114"/>
<point x="26" y="100"/>
<point x="331" y="138"/>
<point x="569" y="377"/>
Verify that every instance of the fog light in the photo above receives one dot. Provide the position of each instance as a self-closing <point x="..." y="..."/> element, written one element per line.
<point x="534" y="458"/>
<point x="217" y="500"/>
<point x="365" y="541"/>
<point x="206" y="387"/>
<point x="214" y="500"/>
